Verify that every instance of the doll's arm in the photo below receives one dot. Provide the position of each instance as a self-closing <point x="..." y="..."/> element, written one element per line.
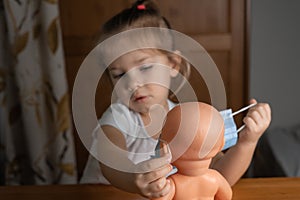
<point x="149" y="184"/>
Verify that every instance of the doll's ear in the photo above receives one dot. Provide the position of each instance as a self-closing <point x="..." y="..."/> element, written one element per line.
<point x="176" y="63"/>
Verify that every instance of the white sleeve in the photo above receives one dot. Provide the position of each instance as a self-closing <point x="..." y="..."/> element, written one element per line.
<point x="118" y="116"/>
<point x="92" y="173"/>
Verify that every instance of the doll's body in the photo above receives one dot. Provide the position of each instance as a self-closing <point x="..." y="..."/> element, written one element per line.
<point x="209" y="184"/>
<point x="200" y="128"/>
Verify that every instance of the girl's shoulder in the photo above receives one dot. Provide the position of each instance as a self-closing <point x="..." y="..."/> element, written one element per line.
<point x="121" y="117"/>
<point x="117" y="110"/>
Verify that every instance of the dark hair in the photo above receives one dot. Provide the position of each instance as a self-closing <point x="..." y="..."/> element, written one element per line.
<point x="143" y="13"/>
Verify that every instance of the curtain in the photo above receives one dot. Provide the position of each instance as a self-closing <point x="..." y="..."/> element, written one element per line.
<point x="36" y="140"/>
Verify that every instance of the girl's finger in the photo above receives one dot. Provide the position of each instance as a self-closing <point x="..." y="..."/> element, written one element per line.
<point x="163" y="191"/>
<point x="267" y="110"/>
<point x="250" y="123"/>
<point x="157" y="174"/>
<point x="255" y="116"/>
<point x="252" y="101"/>
<point x="153" y="164"/>
<point x="157" y="185"/>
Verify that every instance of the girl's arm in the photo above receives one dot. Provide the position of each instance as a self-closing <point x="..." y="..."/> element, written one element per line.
<point x="151" y="184"/>
<point x="234" y="163"/>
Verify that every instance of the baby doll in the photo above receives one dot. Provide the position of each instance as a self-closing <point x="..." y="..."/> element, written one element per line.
<point x="194" y="132"/>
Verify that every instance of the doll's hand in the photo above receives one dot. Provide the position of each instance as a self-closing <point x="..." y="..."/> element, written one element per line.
<point x="257" y="121"/>
<point x="153" y="183"/>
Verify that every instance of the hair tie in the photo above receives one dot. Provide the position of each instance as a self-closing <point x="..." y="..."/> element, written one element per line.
<point x="141" y="7"/>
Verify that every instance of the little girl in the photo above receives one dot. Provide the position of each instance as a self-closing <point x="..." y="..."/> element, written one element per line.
<point x="129" y="124"/>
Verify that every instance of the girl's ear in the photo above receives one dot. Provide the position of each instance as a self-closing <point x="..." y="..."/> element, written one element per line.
<point x="176" y="63"/>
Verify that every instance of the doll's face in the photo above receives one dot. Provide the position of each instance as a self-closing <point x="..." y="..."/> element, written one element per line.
<point x="142" y="79"/>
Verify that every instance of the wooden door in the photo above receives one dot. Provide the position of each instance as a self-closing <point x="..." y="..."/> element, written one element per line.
<point x="218" y="25"/>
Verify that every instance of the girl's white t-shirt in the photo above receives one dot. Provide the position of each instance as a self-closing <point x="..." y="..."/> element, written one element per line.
<point x="130" y="124"/>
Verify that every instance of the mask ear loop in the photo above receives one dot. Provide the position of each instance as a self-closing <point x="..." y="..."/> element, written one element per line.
<point x="241" y="128"/>
<point x="241" y="110"/>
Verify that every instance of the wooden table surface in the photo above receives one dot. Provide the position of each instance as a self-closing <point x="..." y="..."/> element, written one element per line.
<point x="267" y="188"/>
<point x="258" y="189"/>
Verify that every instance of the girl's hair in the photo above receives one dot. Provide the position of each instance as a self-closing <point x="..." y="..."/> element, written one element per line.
<point x="142" y="13"/>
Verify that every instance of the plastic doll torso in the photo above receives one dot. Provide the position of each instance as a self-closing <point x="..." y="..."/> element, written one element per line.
<point x="208" y="186"/>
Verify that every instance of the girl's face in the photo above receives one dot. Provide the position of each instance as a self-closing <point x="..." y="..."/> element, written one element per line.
<point x="142" y="78"/>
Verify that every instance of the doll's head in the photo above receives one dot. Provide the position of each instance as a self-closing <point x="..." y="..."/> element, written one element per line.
<point x="194" y="131"/>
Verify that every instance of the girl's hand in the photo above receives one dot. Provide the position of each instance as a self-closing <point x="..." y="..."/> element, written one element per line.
<point x="153" y="182"/>
<point x="257" y="121"/>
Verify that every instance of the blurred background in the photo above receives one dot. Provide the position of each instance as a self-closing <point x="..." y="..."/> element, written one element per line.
<point x="274" y="70"/>
<point x="255" y="45"/>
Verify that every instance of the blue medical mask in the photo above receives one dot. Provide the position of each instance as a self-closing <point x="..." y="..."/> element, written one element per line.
<point x="231" y="131"/>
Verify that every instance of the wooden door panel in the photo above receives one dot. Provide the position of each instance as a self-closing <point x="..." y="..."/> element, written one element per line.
<point x="218" y="25"/>
<point x="197" y="16"/>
